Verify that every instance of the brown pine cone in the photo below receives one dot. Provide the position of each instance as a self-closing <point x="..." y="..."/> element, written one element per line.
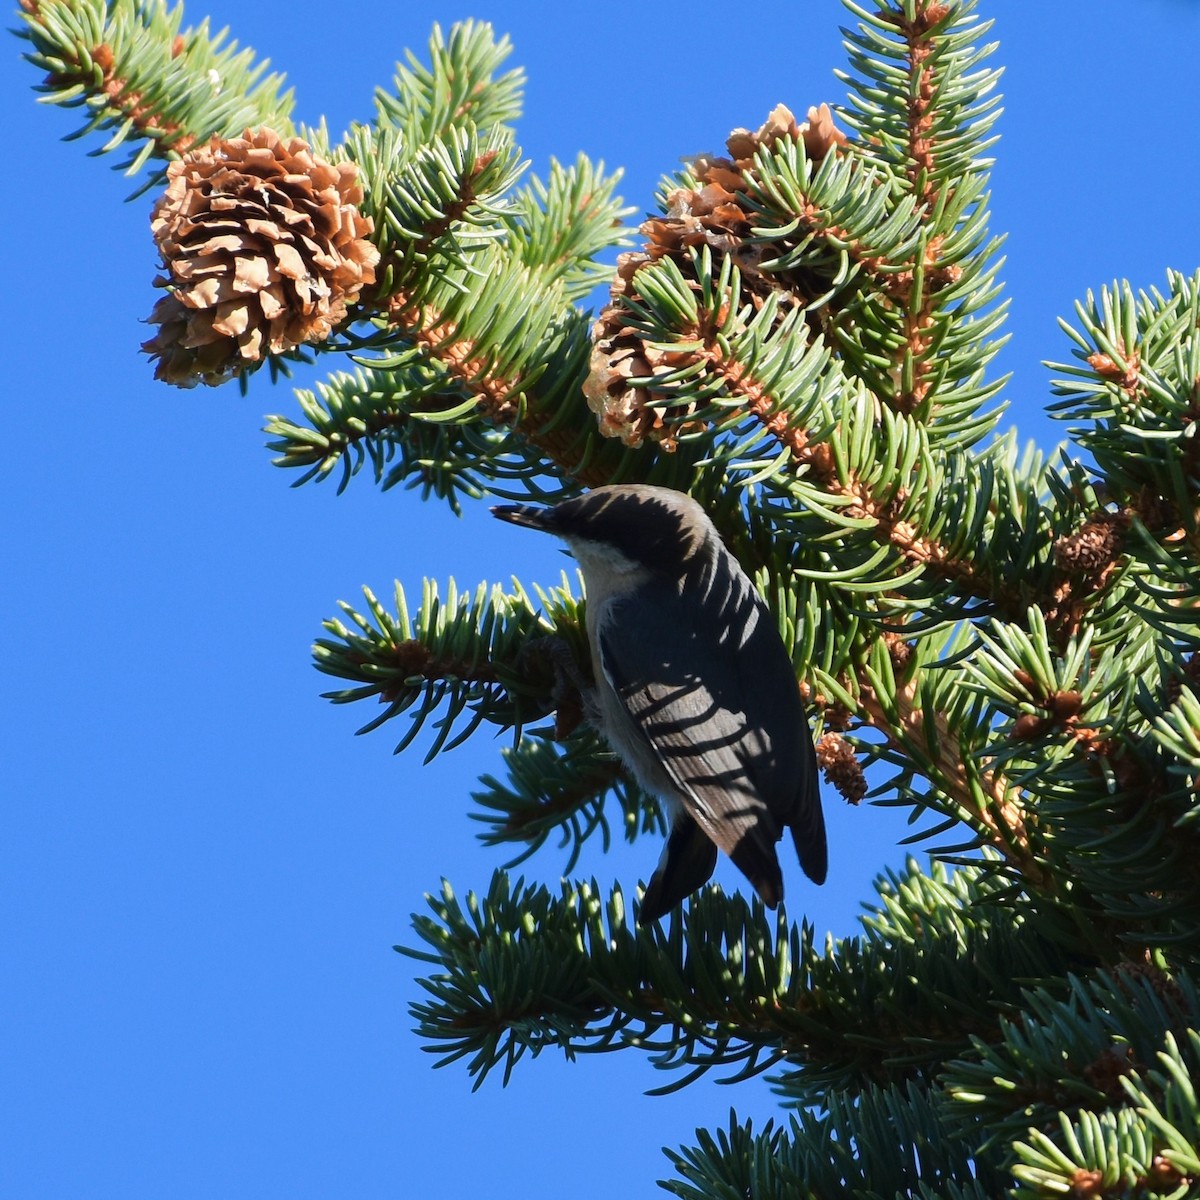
<point x="716" y="213"/>
<point x="264" y="249"/>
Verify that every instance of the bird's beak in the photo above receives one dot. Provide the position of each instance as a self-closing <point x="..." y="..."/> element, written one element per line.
<point x="527" y="515"/>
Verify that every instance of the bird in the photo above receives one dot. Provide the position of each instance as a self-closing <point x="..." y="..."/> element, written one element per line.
<point x="694" y="690"/>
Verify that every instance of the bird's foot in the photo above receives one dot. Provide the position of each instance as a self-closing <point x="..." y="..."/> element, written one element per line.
<point x="572" y="691"/>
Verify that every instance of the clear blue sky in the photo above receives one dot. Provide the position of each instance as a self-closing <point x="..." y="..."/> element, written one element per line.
<point x="203" y="870"/>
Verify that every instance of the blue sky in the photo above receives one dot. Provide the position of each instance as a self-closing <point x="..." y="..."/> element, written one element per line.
<point x="203" y="870"/>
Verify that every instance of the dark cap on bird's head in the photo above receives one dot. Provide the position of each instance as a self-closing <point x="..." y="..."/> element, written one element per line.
<point x="653" y="526"/>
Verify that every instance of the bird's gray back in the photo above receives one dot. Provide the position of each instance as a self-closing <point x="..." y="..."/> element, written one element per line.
<point x="690" y="657"/>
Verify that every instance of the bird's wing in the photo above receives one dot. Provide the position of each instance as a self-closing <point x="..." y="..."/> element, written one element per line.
<point x="680" y="671"/>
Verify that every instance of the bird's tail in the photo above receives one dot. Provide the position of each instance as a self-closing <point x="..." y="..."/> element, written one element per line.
<point x="687" y="862"/>
<point x="808" y="832"/>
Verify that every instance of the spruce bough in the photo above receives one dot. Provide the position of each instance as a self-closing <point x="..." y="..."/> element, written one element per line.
<point x="801" y="338"/>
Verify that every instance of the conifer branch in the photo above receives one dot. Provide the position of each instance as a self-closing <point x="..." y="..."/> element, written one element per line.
<point x="918" y="32"/>
<point x="137" y="73"/>
<point x="562" y="788"/>
<point x="725" y="986"/>
<point x="816" y="1153"/>
<point x="754" y="377"/>
<point x="981" y="796"/>
<point x="496" y="393"/>
<point x="461" y="87"/>
<point x="503" y="398"/>
<point x="803" y="342"/>
<point x="1111" y="1023"/>
<point x="409" y="413"/>
<point x="465" y="653"/>
<point x="925" y="126"/>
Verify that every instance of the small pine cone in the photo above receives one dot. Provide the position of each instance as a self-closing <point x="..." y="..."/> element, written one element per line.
<point x="1094" y="546"/>
<point x="899" y="651"/>
<point x="264" y="249"/>
<point x="841" y="766"/>
<point x="820" y="134"/>
<point x="713" y="216"/>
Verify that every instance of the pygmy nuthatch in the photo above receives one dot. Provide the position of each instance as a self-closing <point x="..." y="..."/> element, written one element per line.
<point x="695" y="692"/>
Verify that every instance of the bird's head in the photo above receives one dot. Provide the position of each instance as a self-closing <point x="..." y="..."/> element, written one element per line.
<point x="623" y="526"/>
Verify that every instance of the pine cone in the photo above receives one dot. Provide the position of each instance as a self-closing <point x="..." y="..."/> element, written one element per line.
<point x="716" y="213"/>
<point x="619" y="355"/>
<point x="836" y="757"/>
<point x="264" y="249"/>
<point x="1095" y="545"/>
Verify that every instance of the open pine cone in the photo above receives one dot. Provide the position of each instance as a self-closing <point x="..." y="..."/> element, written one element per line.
<point x="264" y="249"/>
<point x="718" y="214"/>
